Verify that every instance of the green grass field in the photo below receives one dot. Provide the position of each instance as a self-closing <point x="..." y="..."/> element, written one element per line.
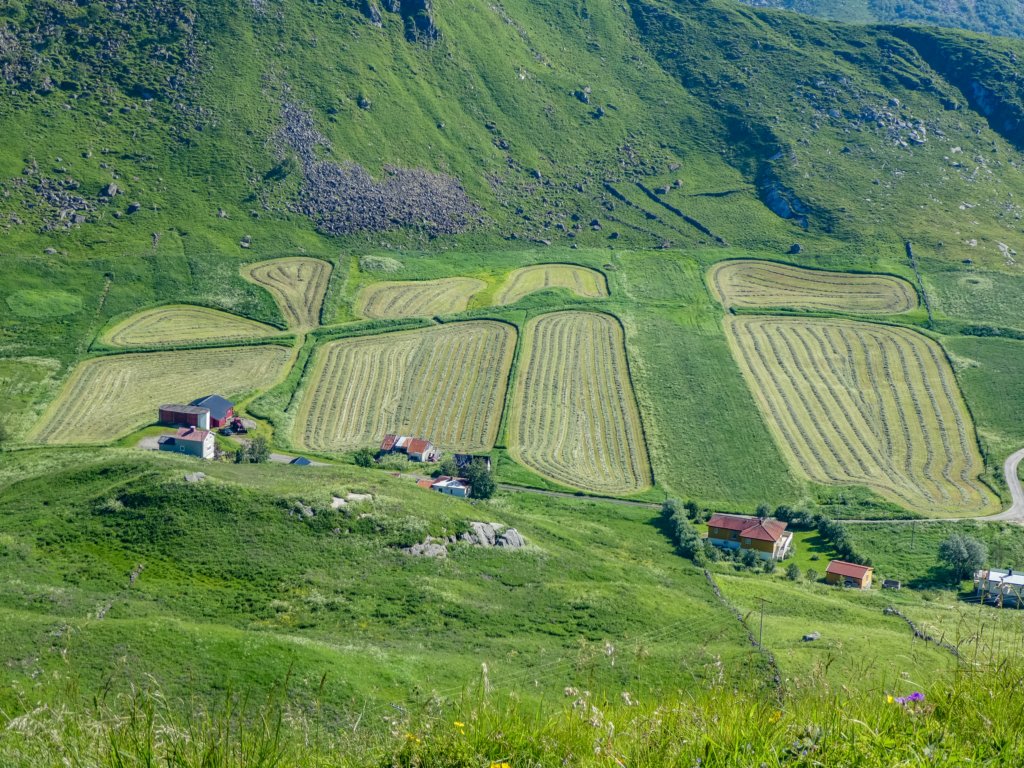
<point x="297" y="284"/>
<point x="109" y="397"/>
<point x="858" y="404"/>
<point x="445" y="383"/>
<point x="762" y="284"/>
<point x="585" y="282"/>
<point x="574" y="416"/>
<point x="182" y="325"/>
<point x="417" y="299"/>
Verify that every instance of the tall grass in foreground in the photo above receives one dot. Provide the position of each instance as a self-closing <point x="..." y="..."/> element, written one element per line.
<point x="973" y="717"/>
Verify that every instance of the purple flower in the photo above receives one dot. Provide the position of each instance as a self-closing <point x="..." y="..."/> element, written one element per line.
<point x="915" y="696"/>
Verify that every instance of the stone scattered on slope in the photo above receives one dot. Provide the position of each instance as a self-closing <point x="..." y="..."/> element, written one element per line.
<point x="483" y="535"/>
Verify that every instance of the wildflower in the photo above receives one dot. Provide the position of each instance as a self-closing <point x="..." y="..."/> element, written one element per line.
<point x="889" y="699"/>
<point x="910" y="698"/>
<point x="500" y="765"/>
<point x="776" y="715"/>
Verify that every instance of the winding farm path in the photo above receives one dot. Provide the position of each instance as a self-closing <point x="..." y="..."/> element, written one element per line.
<point x="1013" y="514"/>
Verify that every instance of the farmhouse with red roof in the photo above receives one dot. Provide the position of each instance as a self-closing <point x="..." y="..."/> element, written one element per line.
<point x="767" y="538"/>
<point x="416" y="448"/>
<point x="849" y="574"/>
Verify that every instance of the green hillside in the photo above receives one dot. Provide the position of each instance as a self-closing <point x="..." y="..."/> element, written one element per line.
<point x="858" y="186"/>
<point x="996" y="17"/>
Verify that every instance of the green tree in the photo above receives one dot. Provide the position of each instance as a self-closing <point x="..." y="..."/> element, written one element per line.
<point x="793" y="572"/>
<point x="811" y="575"/>
<point x="258" y="450"/>
<point x="364" y="457"/>
<point x="481" y="483"/>
<point x="763" y="511"/>
<point x="769" y="566"/>
<point x="963" y="555"/>
<point x="749" y="559"/>
<point x="447" y="467"/>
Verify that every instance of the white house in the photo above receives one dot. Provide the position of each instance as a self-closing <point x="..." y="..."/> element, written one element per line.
<point x="190" y="441"/>
<point x="1002" y="587"/>
<point x="452" y="486"/>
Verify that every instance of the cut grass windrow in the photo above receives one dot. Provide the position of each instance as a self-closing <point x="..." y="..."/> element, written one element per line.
<point x="575" y="417"/>
<point x="853" y="403"/>
<point x="297" y="284"/>
<point x="417" y="298"/>
<point x="583" y="281"/>
<point x="444" y="383"/>
<point x="108" y="397"/>
<point x="766" y="284"/>
<point x="182" y="324"/>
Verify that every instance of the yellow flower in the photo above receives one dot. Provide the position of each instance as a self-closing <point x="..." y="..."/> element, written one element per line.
<point x="500" y="765"/>
<point x="776" y="715"/>
<point x="889" y="699"/>
<point x="459" y="725"/>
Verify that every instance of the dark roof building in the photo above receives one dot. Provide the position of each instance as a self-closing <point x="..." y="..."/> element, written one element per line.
<point x="221" y="409"/>
<point x="300" y="461"/>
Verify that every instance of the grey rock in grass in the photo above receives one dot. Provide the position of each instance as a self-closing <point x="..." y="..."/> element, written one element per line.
<point x="486" y="536"/>
<point x="511" y="539"/>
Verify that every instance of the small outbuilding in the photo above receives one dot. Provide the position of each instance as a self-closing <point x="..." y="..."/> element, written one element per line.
<point x="300" y="461"/>
<point x="221" y="409"/>
<point x="452" y="486"/>
<point x="190" y="441"/>
<point x="847" y="574"/>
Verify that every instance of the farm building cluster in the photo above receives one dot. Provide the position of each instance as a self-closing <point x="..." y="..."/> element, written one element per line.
<point x="195" y="423"/>
<point x="416" y="448"/>
<point x="769" y="539"/>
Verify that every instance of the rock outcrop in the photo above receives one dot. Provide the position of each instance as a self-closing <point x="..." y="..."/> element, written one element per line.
<point x="484" y="535"/>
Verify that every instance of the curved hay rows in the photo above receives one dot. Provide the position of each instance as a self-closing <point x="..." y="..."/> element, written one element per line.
<point x="582" y="281"/>
<point x="765" y="284"/>
<point x="183" y="324"/>
<point x="859" y="404"/>
<point x="297" y="284"/>
<point x="108" y="397"/>
<point x="446" y="384"/>
<point x="417" y="298"/>
<point x="576" y="419"/>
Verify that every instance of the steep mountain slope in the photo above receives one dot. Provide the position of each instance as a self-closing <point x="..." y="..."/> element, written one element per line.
<point x="519" y="121"/>
<point x="996" y="17"/>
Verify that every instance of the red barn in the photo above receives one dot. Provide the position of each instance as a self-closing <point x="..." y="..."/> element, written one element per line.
<point x="221" y="409"/>
<point x="184" y="416"/>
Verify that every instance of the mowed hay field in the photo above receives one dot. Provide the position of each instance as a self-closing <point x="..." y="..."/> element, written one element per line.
<point x="858" y="404"/>
<point x="765" y="284"/>
<point x="446" y="384"/>
<point x="109" y="397"/>
<point x="583" y="281"/>
<point x="575" y="417"/>
<point x="182" y="324"/>
<point x="417" y="298"/>
<point x="297" y="284"/>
